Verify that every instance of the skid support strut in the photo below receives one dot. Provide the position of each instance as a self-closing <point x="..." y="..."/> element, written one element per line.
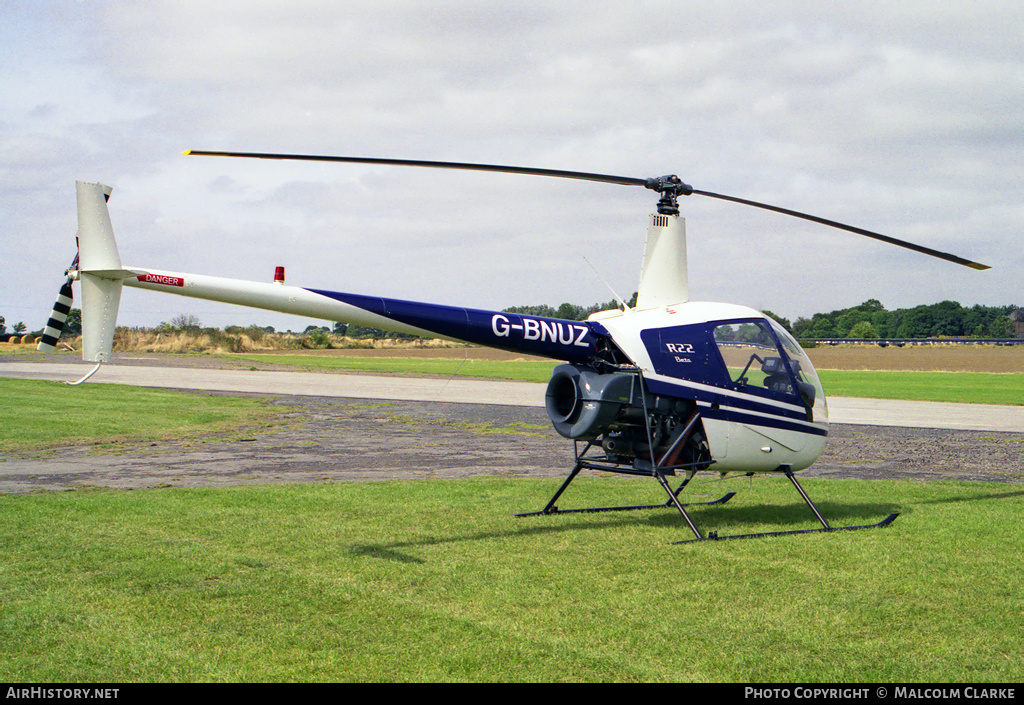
<point x="665" y="466"/>
<point x="825" y="526"/>
<point x="673" y="496"/>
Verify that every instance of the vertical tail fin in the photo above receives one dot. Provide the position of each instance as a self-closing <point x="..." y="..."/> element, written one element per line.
<point x="100" y="300"/>
<point x="99" y="271"/>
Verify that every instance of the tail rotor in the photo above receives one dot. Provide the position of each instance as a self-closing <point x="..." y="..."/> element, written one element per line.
<point x="59" y="315"/>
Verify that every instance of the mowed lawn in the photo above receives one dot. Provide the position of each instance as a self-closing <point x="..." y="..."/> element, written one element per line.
<point x="437" y="581"/>
<point x="965" y="387"/>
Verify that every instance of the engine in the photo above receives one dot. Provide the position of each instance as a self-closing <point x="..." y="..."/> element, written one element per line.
<point x="613" y="410"/>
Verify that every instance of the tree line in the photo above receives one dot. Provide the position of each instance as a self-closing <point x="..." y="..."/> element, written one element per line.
<point x="567" y="311"/>
<point x="945" y="319"/>
<point x="867" y="320"/>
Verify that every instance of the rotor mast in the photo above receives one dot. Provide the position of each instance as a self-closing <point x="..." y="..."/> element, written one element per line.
<point x="664" y="278"/>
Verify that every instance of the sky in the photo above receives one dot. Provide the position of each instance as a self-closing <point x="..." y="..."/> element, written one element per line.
<point x="902" y="118"/>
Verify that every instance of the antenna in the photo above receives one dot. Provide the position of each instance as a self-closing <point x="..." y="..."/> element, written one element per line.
<point x="615" y="294"/>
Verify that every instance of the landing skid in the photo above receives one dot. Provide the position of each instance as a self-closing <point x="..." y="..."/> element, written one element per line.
<point x="659" y="473"/>
<point x="825" y="526"/>
<point x="713" y="535"/>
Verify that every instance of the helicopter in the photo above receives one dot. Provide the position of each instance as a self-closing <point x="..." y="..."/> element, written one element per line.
<point x="666" y="388"/>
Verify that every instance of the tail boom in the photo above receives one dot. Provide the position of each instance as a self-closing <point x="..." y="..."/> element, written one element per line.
<point x="102" y="277"/>
<point x="533" y="335"/>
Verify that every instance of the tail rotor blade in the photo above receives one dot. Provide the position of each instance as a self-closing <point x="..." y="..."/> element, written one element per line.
<point x="59" y="315"/>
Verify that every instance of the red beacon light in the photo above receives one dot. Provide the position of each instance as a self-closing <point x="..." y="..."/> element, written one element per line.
<point x="279" y="275"/>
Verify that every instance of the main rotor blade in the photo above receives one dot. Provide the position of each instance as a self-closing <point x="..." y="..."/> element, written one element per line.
<point x="603" y="178"/>
<point x="850" y="228"/>
<point x="668" y="186"/>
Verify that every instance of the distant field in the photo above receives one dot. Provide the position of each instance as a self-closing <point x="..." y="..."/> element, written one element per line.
<point x="926" y="358"/>
<point x="986" y="375"/>
<point x="953" y="373"/>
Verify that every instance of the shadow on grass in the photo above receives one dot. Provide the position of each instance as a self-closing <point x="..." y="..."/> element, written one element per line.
<point x="387" y="551"/>
<point x="974" y="498"/>
<point x="730" y="520"/>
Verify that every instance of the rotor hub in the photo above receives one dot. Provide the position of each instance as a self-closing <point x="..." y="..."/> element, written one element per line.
<point x="670" y="187"/>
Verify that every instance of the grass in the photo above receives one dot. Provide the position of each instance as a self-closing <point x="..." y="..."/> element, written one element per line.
<point x="962" y="387"/>
<point x="39" y="414"/>
<point x="435" y="581"/>
<point x="520" y="370"/>
<point x="970" y="387"/>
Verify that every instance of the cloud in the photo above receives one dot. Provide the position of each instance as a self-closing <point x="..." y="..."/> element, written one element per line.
<point x="898" y="117"/>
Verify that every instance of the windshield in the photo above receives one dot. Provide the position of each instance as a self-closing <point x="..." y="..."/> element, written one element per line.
<point x="745" y="347"/>
<point x="763" y="358"/>
<point x="803" y="369"/>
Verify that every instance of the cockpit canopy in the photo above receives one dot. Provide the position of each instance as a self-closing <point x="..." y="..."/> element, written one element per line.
<point x="754" y="356"/>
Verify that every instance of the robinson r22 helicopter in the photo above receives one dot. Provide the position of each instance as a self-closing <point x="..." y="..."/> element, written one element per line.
<point x="668" y="387"/>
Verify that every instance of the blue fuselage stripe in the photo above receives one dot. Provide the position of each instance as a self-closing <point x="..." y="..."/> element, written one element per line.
<point x="721" y="405"/>
<point x="725" y="413"/>
<point x="559" y="339"/>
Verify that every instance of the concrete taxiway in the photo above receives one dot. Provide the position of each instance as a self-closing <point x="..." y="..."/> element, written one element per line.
<point x="842" y="410"/>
